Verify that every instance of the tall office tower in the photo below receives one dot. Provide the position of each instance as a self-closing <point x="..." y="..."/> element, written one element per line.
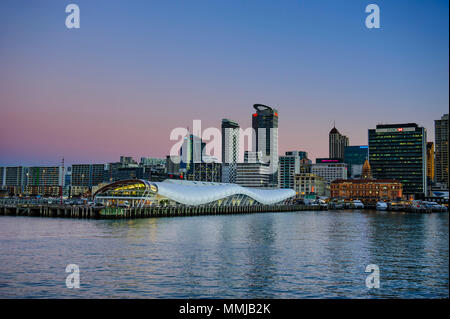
<point x="441" y="150"/>
<point x="230" y="150"/>
<point x="430" y="161"/>
<point x="265" y="128"/>
<point x="336" y="144"/>
<point x="398" y="151"/>
<point x="191" y="151"/>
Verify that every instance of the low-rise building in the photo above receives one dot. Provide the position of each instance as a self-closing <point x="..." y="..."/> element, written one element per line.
<point x="253" y="172"/>
<point x="330" y="171"/>
<point x="310" y="184"/>
<point x="366" y="189"/>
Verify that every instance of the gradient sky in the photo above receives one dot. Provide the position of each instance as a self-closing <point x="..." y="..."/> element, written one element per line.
<point x="137" y="69"/>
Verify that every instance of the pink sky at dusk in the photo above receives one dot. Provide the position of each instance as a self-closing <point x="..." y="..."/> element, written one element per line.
<point x="129" y="75"/>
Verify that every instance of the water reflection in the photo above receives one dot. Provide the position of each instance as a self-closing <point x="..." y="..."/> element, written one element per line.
<point x="270" y="255"/>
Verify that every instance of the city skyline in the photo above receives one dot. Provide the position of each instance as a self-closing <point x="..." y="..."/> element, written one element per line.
<point x="80" y="95"/>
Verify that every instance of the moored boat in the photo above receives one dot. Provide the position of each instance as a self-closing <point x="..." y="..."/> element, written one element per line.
<point x="381" y="206"/>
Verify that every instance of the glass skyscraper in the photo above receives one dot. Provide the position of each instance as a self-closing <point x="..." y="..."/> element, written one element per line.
<point x="398" y="151"/>
<point x="265" y="128"/>
<point x="230" y="150"/>
<point x="355" y="156"/>
<point x="441" y="142"/>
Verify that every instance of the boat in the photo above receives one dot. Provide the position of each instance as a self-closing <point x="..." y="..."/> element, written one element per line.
<point x="381" y="206"/>
<point x="357" y="204"/>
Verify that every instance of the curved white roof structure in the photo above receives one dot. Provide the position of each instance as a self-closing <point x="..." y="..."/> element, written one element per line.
<point x="203" y="192"/>
<point x="190" y="192"/>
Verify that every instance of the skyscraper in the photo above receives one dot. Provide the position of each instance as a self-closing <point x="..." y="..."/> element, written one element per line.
<point x="441" y="150"/>
<point x="398" y="151"/>
<point x="289" y="165"/>
<point x="337" y="143"/>
<point x="191" y="151"/>
<point x="430" y="161"/>
<point x="265" y="128"/>
<point x="354" y="157"/>
<point x="230" y="150"/>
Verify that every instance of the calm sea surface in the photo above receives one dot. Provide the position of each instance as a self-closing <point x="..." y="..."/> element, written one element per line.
<point x="270" y="255"/>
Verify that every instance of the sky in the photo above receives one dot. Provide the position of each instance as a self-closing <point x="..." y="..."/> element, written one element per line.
<point x="137" y="69"/>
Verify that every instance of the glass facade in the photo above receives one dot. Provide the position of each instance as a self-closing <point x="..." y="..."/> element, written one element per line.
<point x="265" y="128"/>
<point x="353" y="156"/>
<point x="398" y="151"/>
<point x="141" y="193"/>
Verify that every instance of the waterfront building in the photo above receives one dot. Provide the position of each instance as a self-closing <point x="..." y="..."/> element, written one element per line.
<point x="366" y="189"/>
<point x="265" y="128"/>
<point x="441" y="150"/>
<point x="289" y="165"/>
<point x="230" y="150"/>
<point x="430" y="162"/>
<point x="13" y="179"/>
<point x="398" y="151"/>
<point x="85" y="176"/>
<point x="330" y="171"/>
<point x="309" y="184"/>
<point x="354" y="157"/>
<point x="141" y="193"/>
<point x="336" y="143"/>
<point x="44" y="180"/>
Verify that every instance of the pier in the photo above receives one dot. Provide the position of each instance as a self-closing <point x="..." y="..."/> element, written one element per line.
<point x="93" y="212"/>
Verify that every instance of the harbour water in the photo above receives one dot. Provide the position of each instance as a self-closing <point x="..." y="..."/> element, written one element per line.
<point x="320" y="254"/>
